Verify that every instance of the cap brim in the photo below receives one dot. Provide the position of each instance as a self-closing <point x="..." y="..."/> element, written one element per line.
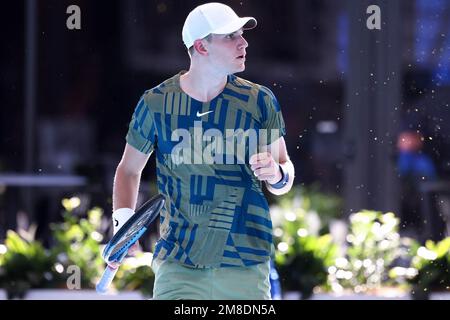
<point x="245" y="23"/>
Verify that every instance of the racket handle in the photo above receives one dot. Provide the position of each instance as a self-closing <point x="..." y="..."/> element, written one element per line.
<point x="107" y="277"/>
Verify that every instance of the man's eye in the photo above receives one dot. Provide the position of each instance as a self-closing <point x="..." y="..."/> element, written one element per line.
<point x="230" y="36"/>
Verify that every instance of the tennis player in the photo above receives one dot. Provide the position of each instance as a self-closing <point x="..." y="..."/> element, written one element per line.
<point x="215" y="229"/>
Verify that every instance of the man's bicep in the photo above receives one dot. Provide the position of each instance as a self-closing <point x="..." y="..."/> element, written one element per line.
<point x="133" y="161"/>
<point x="277" y="149"/>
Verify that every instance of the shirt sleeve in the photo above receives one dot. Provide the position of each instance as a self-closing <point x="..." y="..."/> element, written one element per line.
<point x="272" y="118"/>
<point x="141" y="131"/>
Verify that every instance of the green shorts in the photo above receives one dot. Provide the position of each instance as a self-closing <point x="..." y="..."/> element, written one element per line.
<point x="174" y="281"/>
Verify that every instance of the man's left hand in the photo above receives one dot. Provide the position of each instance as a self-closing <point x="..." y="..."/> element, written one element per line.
<point x="265" y="168"/>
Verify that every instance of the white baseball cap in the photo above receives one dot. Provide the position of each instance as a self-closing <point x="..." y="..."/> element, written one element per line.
<point x="213" y="17"/>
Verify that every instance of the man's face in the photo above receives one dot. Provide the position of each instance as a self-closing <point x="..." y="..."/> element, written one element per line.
<point x="227" y="52"/>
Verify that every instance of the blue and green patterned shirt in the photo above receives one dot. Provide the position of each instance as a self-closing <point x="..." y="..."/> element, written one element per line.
<point x="216" y="214"/>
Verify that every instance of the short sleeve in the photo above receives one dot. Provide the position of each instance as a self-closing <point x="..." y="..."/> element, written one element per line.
<point x="141" y="131"/>
<point x="272" y="118"/>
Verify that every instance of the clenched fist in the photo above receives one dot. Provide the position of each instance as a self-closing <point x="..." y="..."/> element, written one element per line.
<point x="265" y="168"/>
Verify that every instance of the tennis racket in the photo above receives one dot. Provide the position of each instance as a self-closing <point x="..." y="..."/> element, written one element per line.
<point x="126" y="236"/>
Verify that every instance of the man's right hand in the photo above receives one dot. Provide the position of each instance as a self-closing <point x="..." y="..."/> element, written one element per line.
<point x="133" y="249"/>
<point x="131" y="252"/>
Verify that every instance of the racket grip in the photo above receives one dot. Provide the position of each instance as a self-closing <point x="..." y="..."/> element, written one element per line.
<point x="107" y="277"/>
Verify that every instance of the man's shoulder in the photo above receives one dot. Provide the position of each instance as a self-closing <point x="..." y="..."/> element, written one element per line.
<point x="158" y="92"/>
<point x="249" y="86"/>
<point x="261" y="97"/>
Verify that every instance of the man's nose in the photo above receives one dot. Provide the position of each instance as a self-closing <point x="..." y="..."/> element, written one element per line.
<point x="243" y="43"/>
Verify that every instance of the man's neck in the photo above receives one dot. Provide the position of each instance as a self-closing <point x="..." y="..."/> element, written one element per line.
<point x="202" y="85"/>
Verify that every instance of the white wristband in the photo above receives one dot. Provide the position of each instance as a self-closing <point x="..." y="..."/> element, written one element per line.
<point x="120" y="216"/>
<point x="289" y="171"/>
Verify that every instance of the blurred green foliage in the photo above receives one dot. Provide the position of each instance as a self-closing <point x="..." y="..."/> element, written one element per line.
<point x="304" y="250"/>
<point x="136" y="274"/>
<point x="373" y="245"/>
<point x="26" y="264"/>
<point x="328" y="206"/>
<point x="77" y="242"/>
<point x="432" y="263"/>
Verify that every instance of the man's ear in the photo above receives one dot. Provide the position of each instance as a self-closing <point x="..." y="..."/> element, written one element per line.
<point x="200" y="47"/>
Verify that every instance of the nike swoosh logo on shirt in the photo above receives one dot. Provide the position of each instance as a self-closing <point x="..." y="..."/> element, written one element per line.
<point x="202" y="114"/>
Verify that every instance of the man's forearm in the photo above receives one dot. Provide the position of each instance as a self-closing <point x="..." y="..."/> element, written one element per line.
<point x="288" y="169"/>
<point x="125" y="189"/>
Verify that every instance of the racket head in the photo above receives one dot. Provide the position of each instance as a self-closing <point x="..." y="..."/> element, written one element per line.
<point x="133" y="229"/>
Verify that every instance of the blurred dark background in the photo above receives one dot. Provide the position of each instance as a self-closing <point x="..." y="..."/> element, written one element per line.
<point x="347" y="94"/>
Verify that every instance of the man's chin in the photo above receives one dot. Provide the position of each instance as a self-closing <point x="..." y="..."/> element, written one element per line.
<point x="240" y="69"/>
